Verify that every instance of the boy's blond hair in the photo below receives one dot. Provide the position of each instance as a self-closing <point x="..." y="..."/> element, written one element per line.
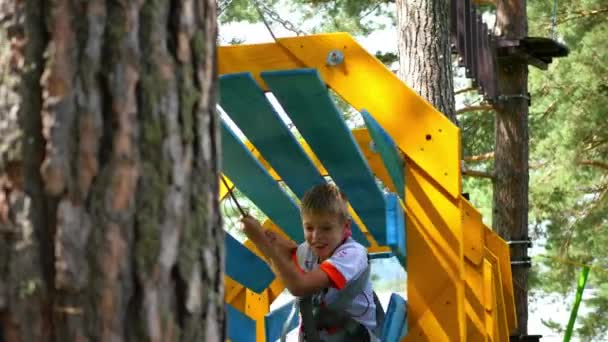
<point x="325" y="199"/>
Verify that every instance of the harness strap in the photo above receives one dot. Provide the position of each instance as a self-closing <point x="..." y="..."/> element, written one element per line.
<point x="345" y="296"/>
<point x="380" y="315"/>
<point x="308" y="322"/>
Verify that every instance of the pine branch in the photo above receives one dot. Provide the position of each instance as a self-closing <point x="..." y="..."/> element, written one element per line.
<point x="464" y="90"/>
<point x="477" y="174"/>
<point x="595" y="163"/>
<point x="582" y="14"/>
<point x="479" y="108"/>
<point x="479" y="157"/>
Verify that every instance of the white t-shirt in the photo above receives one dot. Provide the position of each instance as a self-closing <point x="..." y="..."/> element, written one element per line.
<point x="347" y="262"/>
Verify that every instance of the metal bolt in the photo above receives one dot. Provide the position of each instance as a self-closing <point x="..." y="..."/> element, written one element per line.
<point x="335" y="57"/>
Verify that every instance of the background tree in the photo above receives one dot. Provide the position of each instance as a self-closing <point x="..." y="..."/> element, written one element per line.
<point x="569" y="160"/>
<point x="511" y="134"/>
<point x="109" y="225"/>
<point x="568" y="154"/>
<point x="425" y="61"/>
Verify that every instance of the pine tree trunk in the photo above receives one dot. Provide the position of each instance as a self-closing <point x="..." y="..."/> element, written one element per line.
<point x="109" y="220"/>
<point x="510" y="215"/>
<point x="425" y="63"/>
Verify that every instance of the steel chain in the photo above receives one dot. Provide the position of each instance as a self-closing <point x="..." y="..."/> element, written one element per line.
<point x="276" y="17"/>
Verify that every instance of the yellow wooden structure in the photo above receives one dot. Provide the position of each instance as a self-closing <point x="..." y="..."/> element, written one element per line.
<point x="459" y="277"/>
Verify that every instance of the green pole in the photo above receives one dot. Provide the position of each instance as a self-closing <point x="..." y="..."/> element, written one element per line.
<point x="582" y="280"/>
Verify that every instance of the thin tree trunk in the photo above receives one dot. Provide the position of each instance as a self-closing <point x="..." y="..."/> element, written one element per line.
<point x="109" y="220"/>
<point x="425" y="63"/>
<point x="510" y="215"/>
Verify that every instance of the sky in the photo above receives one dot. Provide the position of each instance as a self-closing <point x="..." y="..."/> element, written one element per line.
<point x="554" y="307"/>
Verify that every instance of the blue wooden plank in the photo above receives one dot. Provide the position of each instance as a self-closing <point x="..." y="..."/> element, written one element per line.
<point x="395" y="228"/>
<point x="385" y="146"/>
<point x="240" y="328"/>
<point x="305" y="98"/>
<point x="273" y="321"/>
<point x="244" y="101"/>
<point x="250" y="177"/>
<point x="395" y="321"/>
<point x="245" y="267"/>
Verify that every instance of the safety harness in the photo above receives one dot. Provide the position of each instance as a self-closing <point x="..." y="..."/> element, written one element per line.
<point x="334" y="315"/>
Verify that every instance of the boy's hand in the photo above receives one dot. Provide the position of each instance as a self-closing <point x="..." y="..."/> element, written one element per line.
<point x="279" y="242"/>
<point x="252" y="228"/>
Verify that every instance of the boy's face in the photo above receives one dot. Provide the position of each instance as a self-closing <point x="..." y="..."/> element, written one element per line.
<point x="324" y="232"/>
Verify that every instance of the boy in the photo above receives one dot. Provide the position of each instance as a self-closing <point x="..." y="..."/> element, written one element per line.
<point x="329" y="268"/>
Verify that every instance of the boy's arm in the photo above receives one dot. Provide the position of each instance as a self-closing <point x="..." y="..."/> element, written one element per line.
<point x="299" y="284"/>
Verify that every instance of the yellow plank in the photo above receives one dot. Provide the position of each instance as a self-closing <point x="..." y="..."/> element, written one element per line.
<point x="435" y="262"/>
<point x="473" y="232"/>
<point x="231" y="289"/>
<point x="257" y="306"/>
<point x="500" y="313"/>
<point x="489" y="301"/>
<point x="424" y="134"/>
<point x="474" y="296"/>
<point x="475" y="327"/>
<point x="255" y="59"/>
<point x="501" y="250"/>
<point x="275" y="289"/>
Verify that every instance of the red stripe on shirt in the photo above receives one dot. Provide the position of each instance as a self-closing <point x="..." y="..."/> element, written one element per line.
<point x="336" y="277"/>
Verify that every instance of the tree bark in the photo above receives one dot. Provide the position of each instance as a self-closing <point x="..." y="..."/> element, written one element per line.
<point x="109" y="219"/>
<point x="425" y="63"/>
<point x="510" y="215"/>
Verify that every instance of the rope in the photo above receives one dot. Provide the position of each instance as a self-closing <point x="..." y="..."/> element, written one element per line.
<point x="233" y="197"/>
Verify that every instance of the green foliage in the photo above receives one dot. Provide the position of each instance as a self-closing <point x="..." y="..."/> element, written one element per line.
<point x="353" y="16"/>
<point x="569" y="157"/>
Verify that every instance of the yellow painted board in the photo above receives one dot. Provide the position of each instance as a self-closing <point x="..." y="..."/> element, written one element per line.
<point x="255" y="58"/>
<point x="501" y="250"/>
<point x="257" y="306"/>
<point x="275" y="289"/>
<point x="473" y="232"/>
<point x="489" y="301"/>
<point x="435" y="262"/>
<point x="231" y="289"/>
<point x="500" y="313"/>
<point x="423" y="133"/>
<point x="474" y="296"/>
<point x="475" y="327"/>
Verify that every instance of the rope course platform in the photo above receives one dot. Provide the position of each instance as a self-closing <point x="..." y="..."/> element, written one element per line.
<point x="401" y="173"/>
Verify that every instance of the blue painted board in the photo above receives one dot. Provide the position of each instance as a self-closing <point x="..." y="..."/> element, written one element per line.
<point x="240" y="328"/>
<point x="395" y="228"/>
<point x="305" y="98"/>
<point x="395" y="321"/>
<point x="273" y="321"/>
<point x="385" y="146"/>
<point x="245" y="267"/>
<point x="247" y="106"/>
<point x="244" y="101"/>
<point x="250" y="177"/>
